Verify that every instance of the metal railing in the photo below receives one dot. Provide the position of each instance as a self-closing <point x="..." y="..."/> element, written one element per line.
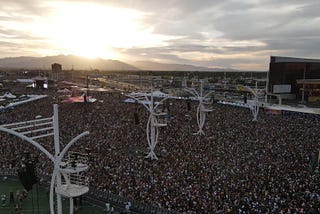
<point x="136" y="206"/>
<point x="10" y="173"/>
<point x="100" y="198"/>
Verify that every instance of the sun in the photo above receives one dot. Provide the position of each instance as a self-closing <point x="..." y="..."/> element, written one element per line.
<point x="93" y="30"/>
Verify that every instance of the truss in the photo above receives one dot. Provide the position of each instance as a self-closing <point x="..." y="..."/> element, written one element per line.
<point x="154" y="120"/>
<point x="203" y="107"/>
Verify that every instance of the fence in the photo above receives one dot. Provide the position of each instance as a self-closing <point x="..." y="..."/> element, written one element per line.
<point x="100" y="198"/>
<point x="136" y="206"/>
<point x="10" y="173"/>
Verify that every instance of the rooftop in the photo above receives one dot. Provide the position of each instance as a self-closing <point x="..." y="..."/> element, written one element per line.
<point x="277" y="59"/>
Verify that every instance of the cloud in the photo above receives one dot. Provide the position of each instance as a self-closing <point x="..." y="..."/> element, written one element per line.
<point x="230" y="33"/>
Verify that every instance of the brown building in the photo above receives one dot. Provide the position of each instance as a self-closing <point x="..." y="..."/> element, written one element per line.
<point x="56" y="71"/>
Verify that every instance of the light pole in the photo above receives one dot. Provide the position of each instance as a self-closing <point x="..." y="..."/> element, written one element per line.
<point x="202" y="109"/>
<point x="153" y="122"/>
<point x="46" y="127"/>
<point x="303" y="86"/>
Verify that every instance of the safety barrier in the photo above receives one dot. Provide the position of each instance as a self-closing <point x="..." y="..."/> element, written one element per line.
<point x="100" y="198"/>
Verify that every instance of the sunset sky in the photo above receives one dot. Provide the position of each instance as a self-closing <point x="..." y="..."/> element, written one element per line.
<point x="239" y="34"/>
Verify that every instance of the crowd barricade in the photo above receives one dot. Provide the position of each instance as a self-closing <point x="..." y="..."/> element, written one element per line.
<point x="117" y="200"/>
<point x="9" y="172"/>
<point x="98" y="197"/>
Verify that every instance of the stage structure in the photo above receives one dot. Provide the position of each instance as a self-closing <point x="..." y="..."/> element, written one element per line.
<point x="155" y="121"/>
<point x="72" y="184"/>
<point x="257" y="93"/>
<point x="203" y="107"/>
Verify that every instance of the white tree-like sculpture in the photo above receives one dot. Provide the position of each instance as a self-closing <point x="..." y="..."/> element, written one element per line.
<point x="45" y="127"/>
<point x="154" y="122"/>
<point x="257" y="93"/>
<point x="203" y="107"/>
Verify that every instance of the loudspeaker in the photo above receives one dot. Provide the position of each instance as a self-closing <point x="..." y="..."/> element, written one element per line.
<point x="27" y="175"/>
<point x="136" y="118"/>
<point x="188" y="105"/>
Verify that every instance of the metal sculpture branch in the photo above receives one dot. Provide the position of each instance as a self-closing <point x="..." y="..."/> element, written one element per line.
<point x="154" y="122"/>
<point x="254" y="106"/>
<point x="46" y="127"/>
<point x="202" y="108"/>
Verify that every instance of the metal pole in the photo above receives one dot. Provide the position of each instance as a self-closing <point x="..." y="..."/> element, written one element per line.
<point x="303" y="85"/>
<point x="256" y="86"/>
<point x="152" y="125"/>
<point x="256" y="103"/>
<point x="57" y="153"/>
<point x="267" y="83"/>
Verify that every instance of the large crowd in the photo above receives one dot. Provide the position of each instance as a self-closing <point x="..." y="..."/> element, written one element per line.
<point x="239" y="166"/>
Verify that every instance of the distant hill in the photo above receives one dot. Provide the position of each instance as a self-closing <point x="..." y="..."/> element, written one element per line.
<point x="82" y="63"/>
<point x="67" y="62"/>
<point x="155" y="66"/>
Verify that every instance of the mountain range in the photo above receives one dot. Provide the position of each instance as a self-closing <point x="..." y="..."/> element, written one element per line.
<point x="82" y="63"/>
<point x="150" y="65"/>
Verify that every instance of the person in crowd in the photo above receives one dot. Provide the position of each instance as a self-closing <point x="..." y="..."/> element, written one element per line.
<point x="239" y="166"/>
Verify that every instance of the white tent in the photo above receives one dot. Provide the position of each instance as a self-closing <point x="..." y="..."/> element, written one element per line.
<point x="132" y="94"/>
<point x="158" y="94"/>
<point x="130" y="100"/>
<point x="149" y="102"/>
<point x="155" y="94"/>
<point x="25" y="80"/>
<point x="9" y="95"/>
<point x="64" y="91"/>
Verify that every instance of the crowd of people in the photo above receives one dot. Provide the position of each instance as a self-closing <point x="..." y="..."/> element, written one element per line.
<point x="239" y="166"/>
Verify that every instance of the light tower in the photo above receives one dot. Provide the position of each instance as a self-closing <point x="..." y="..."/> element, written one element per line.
<point x="71" y="185"/>
<point x="154" y="122"/>
<point x="203" y="107"/>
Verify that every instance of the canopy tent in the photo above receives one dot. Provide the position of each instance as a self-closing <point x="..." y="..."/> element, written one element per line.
<point x="155" y="94"/>
<point x="158" y="94"/>
<point x="25" y="80"/>
<point x="8" y="95"/>
<point x="39" y="78"/>
<point x="130" y="100"/>
<point x="64" y="91"/>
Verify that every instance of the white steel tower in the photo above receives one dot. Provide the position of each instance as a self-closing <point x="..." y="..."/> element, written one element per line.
<point x="257" y="93"/>
<point x="203" y="107"/>
<point x="71" y="185"/>
<point x="155" y="119"/>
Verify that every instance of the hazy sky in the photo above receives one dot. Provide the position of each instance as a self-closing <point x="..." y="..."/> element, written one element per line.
<point x="239" y="34"/>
